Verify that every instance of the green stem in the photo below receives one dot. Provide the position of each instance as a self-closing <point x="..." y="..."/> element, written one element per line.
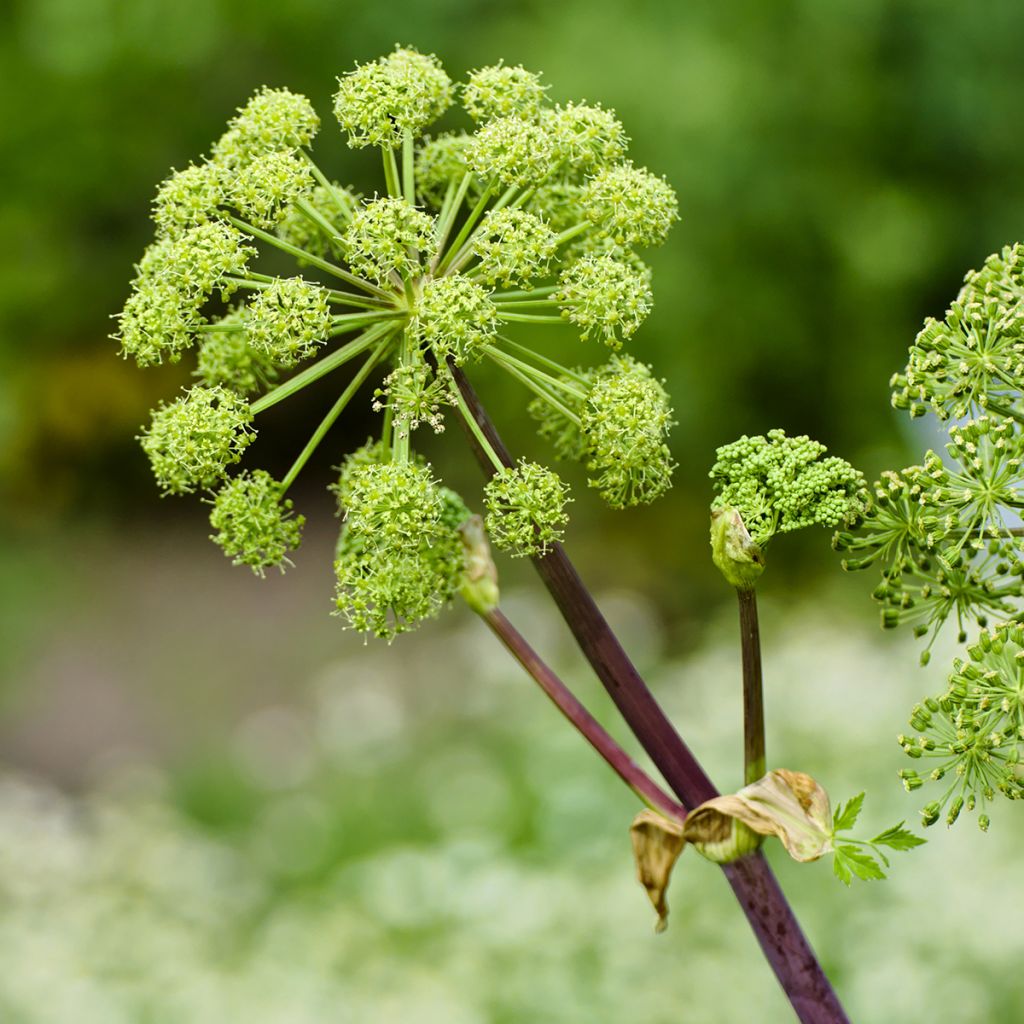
<point x="537" y="388"/>
<point x="336" y="410"/>
<point x="544" y="360"/>
<point x="400" y="436"/>
<point x="504" y="359"/>
<point x="466" y="252"/>
<point x="340" y="199"/>
<point x="351" y="321"/>
<point x="546" y="290"/>
<point x="530" y="318"/>
<point x="470" y="420"/>
<point x="448" y="214"/>
<point x="409" y="167"/>
<point x="310" y="212"/>
<point x="514" y="304"/>
<point x="322" y="367"/>
<point x="1004" y="410"/>
<point x="391" y="172"/>
<point x="572" y="232"/>
<point x="316" y="261"/>
<point x="455" y="248"/>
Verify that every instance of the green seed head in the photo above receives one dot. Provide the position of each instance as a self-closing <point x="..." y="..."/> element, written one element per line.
<point x="454" y="316"/>
<point x="263" y="190"/>
<point x="512" y="152"/>
<point x="226" y="358"/>
<point x="584" y="138"/>
<point x="439" y="162"/>
<point x="273" y="121"/>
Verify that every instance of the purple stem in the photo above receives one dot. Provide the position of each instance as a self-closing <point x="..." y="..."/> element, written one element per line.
<point x="770" y="916"/>
<point x="592" y="730"/>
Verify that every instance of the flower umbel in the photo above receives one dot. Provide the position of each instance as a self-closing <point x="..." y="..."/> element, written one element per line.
<point x="529" y="214"/>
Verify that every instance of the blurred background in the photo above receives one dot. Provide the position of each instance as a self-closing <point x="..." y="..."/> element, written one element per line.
<point x="215" y="804"/>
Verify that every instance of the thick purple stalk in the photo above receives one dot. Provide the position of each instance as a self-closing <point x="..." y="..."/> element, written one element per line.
<point x="754" y="758"/>
<point x="592" y="731"/>
<point x="777" y="930"/>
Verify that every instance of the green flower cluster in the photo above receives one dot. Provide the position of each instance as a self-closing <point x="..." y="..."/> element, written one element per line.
<point x="973" y="733"/>
<point x="946" y="538"/>
<point x="254" y="523"/>
<point x="400" y="557"/>
<point x="779" y="484"/>
<point x="526" y="509"/>
<point x="615" y="419"/>
<point x="532" y="214"/>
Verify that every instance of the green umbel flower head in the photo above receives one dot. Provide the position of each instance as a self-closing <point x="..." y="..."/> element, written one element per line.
<point x="400" y="558"/>
<point x="377" y="103"/>
<point x="254" y="523"/>
<point x="779" y="484"/>
<point x="515" y="248"/>
<point x="526" y="509"/>
<point x="526" y="213"/>
<point x="625" y="423"/>
<point x="227" y="358"/>
<point x="454" y="316"/>
<point x="500" y="91"/>
<point x="606" y="297"/>
<point x="192" y="441"/>
<point x="289" y="321"/>
<point x="385" y="236"/>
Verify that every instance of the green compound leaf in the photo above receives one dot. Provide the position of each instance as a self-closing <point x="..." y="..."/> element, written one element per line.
<point x="849" y="862"/>
<point x="898" y="838"/>
<point x="846" y="814"/>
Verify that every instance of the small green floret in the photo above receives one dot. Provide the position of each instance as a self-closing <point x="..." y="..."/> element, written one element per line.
<point x="625" y="423"/>
<point x="377" y="103"/>
<point x="606" y="297"/>
<point x="384" y="235"/>
<point x="263" y="191"/>
<point x="631" y="205"/>
<point x="400" y="557"/>
<point x="779" y="483"/>
<point x="509" y="151"/>
<point x="500" y="91"/>
<point x="273" y="121"/>
<point x="454" y="316"/>
<point x="584" y="138"/>
<point x="189" y="198"/>
<point x="255" y="524"/>
<point x="288" y="321"/>
<point x="192" y="441"/>
<point x="515" y="247"/>
<point x="227" y="358"/>
<point x="526" y="509"/>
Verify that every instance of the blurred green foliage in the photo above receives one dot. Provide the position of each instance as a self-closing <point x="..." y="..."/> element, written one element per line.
<point x="839" y="166"/>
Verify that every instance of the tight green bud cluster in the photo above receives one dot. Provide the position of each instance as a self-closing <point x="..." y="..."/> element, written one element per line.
<point x="254" y="523"/>
<point x="528" y="213"/>
<point x="779" y="484"/>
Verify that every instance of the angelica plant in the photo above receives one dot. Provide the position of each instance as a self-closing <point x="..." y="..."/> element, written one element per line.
<point x="945" y="535"/>
<point x="531" y="213"/>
